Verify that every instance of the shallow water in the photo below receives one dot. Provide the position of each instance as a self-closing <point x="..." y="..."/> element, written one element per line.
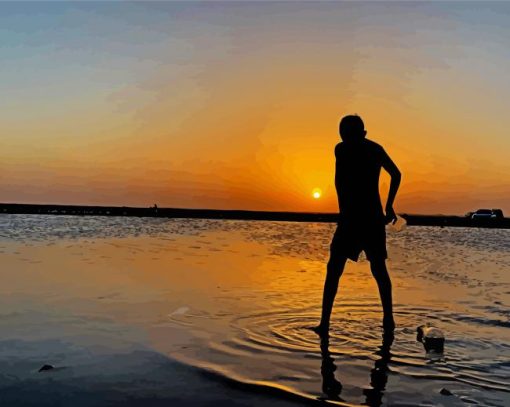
<point x="236" y="298"/>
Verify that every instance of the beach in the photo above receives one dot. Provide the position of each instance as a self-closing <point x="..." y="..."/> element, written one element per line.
<point x="149" y="311"/>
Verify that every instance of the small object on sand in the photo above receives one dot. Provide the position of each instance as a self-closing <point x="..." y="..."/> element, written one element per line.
<point x="46" y="367"/>
<point x="431" y="337"/>
<point x="179" y="311"/>
<point x="445" y="392"/>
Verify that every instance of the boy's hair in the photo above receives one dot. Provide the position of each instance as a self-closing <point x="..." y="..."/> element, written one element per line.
<point x="352" y="128"/>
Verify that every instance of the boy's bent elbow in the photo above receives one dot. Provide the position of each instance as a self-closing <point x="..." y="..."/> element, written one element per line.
<point x="396" y="175"/>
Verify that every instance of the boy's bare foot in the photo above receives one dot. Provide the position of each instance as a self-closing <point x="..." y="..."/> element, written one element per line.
<point x="320" y="330"/>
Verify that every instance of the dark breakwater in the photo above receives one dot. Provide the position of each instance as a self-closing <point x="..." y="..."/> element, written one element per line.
<point x="81" y="210"/>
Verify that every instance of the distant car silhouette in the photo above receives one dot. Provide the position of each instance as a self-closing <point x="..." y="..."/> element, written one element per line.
<point x="484" y="214"/>
<point x="498" y="213"/>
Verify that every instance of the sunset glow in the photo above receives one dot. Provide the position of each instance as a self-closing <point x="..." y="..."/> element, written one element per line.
<point x="317" y="193"/>
<point x="236" y="105"/>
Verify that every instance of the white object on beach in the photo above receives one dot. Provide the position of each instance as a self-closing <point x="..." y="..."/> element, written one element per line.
<point x="179" y="311"/>
<point x="431" y="337"/>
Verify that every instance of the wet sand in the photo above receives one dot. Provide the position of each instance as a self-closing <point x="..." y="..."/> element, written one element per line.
<point x="136" y="310"/>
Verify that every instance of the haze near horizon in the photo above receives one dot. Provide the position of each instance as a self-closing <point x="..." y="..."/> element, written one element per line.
<point x="236" y="105"/>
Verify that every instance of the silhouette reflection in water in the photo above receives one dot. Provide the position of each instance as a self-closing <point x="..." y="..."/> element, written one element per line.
<point x="331" y="387"/>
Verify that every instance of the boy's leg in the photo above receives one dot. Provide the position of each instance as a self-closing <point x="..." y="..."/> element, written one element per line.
<point x="380" y="273"/>
<point x="335" y="268"/>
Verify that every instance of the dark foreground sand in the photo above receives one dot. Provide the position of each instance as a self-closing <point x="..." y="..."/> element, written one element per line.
<point x="137" y="378"/>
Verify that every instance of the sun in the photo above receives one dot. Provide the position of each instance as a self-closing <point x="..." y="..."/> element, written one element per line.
<point x="316" y="193"/>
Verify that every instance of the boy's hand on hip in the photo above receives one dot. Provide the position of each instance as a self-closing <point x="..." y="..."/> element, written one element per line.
<point x="391" y="216"/>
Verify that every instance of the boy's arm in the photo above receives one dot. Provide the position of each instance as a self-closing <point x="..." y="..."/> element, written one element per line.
<point x="337" y="176"/>
<point x="396" y="176"/>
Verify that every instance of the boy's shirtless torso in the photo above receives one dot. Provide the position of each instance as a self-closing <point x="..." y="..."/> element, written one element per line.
<point x="358" y="166"/>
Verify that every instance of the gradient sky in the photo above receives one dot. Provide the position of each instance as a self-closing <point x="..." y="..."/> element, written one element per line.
<point x="236" y="105"/>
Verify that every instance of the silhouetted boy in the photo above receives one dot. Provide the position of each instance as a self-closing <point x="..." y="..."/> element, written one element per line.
<point x="361" y="224"/>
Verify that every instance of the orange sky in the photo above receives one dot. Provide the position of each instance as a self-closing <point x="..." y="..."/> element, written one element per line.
<point x="237" y="105"/>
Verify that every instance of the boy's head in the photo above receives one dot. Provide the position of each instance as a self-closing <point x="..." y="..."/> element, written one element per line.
<point x="352" y="128"/>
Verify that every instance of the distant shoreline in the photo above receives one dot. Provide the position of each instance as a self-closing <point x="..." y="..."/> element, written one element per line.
<point x="86" y="210"/>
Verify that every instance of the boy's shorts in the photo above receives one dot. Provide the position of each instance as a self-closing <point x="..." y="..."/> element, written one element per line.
<point x="351" y="238"/>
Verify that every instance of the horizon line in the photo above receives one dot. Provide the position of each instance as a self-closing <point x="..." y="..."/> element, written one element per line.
<point x="206" y="209"/>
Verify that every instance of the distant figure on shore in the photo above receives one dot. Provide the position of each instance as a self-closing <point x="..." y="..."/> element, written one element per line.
<point x="361" y="224"/>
